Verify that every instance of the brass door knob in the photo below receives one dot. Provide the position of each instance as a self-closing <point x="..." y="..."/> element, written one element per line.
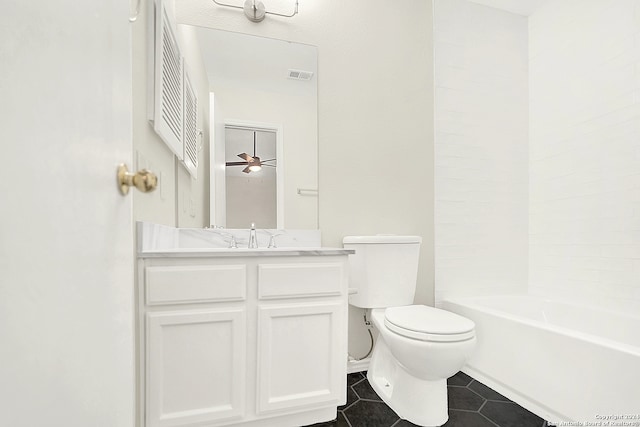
<point x="144" y="180"/>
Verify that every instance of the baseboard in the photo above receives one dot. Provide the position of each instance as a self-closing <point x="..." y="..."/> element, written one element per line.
<point x="354" y="365"/>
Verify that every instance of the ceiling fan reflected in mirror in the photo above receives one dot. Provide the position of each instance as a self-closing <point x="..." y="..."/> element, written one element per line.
<point x="252" y="163"/>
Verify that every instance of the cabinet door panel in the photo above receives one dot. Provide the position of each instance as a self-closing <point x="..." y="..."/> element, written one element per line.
<point x="195" y="366"/>
<point x="301" y="353"/>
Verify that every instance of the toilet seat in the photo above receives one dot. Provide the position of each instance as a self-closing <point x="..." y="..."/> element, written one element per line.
<point x="425" y="323"/>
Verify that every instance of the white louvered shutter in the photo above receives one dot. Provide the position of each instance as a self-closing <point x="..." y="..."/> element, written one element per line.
<point x="169" y="80"/>
<point x="190" y="135"/>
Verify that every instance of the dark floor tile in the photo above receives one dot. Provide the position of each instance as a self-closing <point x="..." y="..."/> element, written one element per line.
<point x="365" y="391"/>
<point x="370" y="414"/>
<point x="405" y="423"/>
<point x="338" y="422"/>
<point x="508" y="414"/>
<point x="351" y="397"/>
<point x="463" y="398"/>
<point x="354" y="378"/>
<point x="486" y="392"/>
<point x="467" y="419"/>
<point x="460" y="378"/>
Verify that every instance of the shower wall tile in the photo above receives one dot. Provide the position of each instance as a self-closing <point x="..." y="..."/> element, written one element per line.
<point x="481" y="154"/>
<point x="584" y="188"/>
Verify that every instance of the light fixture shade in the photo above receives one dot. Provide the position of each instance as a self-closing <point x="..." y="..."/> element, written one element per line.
<point x="253" y="10"/>
<point x="255" y="168"/>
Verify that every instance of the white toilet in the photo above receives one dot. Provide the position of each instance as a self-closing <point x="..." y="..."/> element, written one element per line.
<point x="418" y="347"/>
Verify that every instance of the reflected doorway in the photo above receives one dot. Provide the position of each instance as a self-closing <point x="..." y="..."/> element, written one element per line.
<point x="250" y="177"/>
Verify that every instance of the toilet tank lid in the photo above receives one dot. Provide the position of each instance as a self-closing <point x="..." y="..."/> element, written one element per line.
<point x="381" y="238"/>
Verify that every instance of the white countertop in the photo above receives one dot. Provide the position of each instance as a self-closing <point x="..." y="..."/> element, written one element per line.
<point x="242" y="252"/>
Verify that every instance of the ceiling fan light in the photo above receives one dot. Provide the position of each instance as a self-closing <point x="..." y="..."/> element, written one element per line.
<point x="255" y="168"/>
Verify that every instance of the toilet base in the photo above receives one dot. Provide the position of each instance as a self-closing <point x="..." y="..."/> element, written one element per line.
<point x="423" y="402"/>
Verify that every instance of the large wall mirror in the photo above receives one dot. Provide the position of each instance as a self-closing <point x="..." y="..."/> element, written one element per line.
<point x="264" y="130"/>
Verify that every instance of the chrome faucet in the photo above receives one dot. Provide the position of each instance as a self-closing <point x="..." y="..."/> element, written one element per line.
<point x="232" y="239"/>
<point x="232" y="242"/>
<point x="272" y="238"/>
<point x="253" y="240"/>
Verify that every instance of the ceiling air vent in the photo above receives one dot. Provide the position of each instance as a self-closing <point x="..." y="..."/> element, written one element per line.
<point x="300" y="75"/>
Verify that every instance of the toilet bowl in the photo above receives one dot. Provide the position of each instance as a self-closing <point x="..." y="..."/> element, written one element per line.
<point x="418" y="348"/>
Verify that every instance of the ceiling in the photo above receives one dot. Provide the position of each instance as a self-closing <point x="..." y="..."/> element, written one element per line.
<point x="520" y="7"/>
<point x="234" y="59"/>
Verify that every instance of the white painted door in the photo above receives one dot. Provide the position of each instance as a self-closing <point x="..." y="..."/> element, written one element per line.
<point x="195" y="366"/>
<point x="66" y="235"/>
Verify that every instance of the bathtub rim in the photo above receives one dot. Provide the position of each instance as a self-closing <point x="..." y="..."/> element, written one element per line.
<point x="472" y="303"/>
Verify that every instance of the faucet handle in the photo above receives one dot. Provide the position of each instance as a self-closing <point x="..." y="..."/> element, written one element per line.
<point x="232" y="239"/>
<point x="272" y="238"/>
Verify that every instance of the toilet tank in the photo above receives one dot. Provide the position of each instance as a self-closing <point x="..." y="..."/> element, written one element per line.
<point x="384" y="269"/>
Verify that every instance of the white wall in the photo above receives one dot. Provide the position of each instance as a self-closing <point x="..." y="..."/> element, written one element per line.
<point x="481" y="152"/>
<point x="192" y="194"/>
<point x="180" y="200"/>
<point x="375" y="110"/>
<point x="584" y="151"/>
<point x="583" y="161"/>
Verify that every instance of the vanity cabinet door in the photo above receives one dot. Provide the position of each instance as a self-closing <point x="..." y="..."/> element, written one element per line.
<point x="301" y="355"/>
<point x="195" y="366"/>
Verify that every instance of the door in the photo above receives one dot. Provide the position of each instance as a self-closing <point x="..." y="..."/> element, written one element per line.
<point x="66" y="235"/>
<point x="300" y="355"/>
<point x="195" y="366"/>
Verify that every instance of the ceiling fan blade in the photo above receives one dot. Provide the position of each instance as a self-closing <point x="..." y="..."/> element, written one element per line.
<point x="246" y="170"/>
<point x="245" y="156"/>
<point x="269" y="166"/>
<point x="268" y="160"/>
<point x="236" y="163"/>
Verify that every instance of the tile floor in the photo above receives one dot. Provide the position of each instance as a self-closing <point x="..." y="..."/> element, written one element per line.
<point x="471" y="404"/>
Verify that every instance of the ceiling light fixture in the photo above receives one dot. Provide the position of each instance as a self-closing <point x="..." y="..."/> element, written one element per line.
<point x="255" y="11"/>
<point x="251" y="163"/>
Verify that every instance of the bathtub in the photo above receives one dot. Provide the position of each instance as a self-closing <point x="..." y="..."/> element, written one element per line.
<point x="562" y="361"/>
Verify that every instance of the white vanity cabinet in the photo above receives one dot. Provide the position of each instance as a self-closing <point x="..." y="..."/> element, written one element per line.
<point x="254" y="338"/>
